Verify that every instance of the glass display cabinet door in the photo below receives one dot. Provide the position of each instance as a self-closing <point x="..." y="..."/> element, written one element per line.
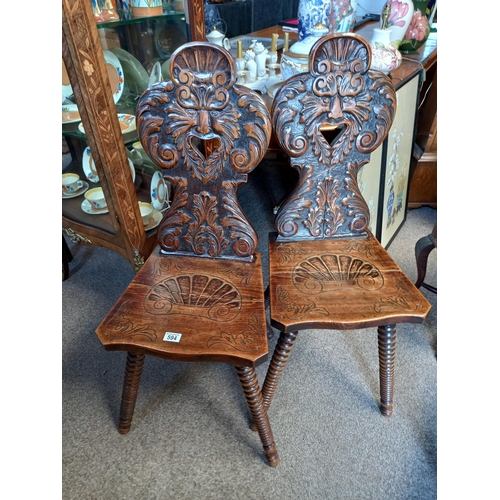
<point x="111" y="55"/>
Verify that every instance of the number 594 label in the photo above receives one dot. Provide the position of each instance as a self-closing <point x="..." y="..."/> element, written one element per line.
<point x="172" y="337"/>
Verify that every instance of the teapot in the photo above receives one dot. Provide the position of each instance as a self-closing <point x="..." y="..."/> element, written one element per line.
<point x="216" y="37"/>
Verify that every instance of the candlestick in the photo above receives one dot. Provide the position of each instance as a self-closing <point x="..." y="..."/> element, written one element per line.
<point x="285" y="44"/>
<point x="274" y="42"/>
<point x="239" y="49"/>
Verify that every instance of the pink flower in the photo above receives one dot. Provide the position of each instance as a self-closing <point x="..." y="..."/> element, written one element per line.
<point x="418" y="27"/>
<point x="398" y="12"/>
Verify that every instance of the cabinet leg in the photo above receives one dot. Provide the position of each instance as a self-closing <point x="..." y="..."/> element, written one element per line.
<point x="66" y="259"/>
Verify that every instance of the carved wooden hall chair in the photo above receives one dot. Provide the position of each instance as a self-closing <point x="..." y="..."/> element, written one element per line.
<point x="200" y="295"/>
<point x="327" y="271"/>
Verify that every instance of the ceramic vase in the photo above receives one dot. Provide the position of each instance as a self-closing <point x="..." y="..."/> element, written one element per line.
<point x="399" y="19"/>
<point x="419" y="30"/>
<point x="385" y="57"/>
<point x="338" y="15"/>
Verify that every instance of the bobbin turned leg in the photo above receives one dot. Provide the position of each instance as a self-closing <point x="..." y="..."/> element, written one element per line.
<point x="281" y="354"/>
<point x="133" y="372"/>
<point x="386" y="356"/>
<point x="248" y="379"/>
<point x="280" y="357"/>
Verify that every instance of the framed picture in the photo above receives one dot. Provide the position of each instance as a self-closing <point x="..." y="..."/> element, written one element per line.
<point x="398" y="149"/>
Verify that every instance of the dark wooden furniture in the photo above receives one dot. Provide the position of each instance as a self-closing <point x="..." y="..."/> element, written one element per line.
<point x="423" y="184"/>
<point x="202" y="286"/>
<point x="423" y="248"/>
<point x="122" y="230"/>
<point x="327" y="271"/>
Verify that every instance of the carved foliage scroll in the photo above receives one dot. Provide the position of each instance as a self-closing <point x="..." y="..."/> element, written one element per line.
<point x="207" y="134"/>
<point x="339" y="96"/>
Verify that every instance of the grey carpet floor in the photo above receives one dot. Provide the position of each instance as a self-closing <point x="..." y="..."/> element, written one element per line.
<point x="190" y="438"/>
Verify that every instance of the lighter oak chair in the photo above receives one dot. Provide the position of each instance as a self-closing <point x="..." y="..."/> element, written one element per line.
<point x="200" y="295"/>
<point x="327" y="271"/>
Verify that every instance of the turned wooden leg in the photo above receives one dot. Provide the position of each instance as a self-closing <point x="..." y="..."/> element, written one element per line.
<point x="249" y="382"/>
<point x="386" y="356"/>
<point x="133" y="372"/>
<point x="280" y="357"/>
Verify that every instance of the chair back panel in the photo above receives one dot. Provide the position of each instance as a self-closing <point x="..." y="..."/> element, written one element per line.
<point x="206" y="134"/>
<point x="329" y="120"/>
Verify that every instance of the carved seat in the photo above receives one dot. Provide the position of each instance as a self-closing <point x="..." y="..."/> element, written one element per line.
<point x="200" y="295"/>
<point x="327" y="271"/>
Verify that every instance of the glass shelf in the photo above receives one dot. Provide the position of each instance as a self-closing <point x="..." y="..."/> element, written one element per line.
<point x="138" y="20"/>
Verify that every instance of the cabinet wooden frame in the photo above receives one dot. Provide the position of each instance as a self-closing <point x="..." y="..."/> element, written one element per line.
<point x="83" y="56"/>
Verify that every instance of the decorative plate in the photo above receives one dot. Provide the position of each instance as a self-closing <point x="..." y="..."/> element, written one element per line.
<point x="135" y="75"/>
<point x="127" y="123"/>
<point x="159" y="191"/>
<point x="115" y="74"/>
<point x="90" y="171"/>
<point x="67" y="89"/>
<point x="70" y="114"/>
<point x="155" y="75"/>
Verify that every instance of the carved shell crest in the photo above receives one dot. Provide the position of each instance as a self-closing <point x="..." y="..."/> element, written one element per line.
<point x="195" y="295"/>
<point x="326" y="272"/>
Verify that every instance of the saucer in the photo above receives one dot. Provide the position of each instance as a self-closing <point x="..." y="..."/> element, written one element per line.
<point x="78" y="192"/>
<point x="87" y="208"/>
<point x="159" y="191"/>
<point x="157" y="217"/>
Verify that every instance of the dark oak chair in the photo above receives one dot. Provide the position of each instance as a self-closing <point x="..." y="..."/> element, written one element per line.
<point x="200" y="295"/>
<point x="327" y="271"/>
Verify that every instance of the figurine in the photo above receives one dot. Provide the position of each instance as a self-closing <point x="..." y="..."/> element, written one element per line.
<point x="251" y="65"/>
<point x="261" y="57"/>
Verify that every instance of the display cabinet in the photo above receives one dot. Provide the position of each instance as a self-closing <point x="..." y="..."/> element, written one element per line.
<point x="106" y="67"/>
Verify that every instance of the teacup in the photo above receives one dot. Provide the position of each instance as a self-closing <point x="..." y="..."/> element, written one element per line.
<point x="146" y="212"/>
<point x="71" y="183"/>
<point x="96" y="198"/>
